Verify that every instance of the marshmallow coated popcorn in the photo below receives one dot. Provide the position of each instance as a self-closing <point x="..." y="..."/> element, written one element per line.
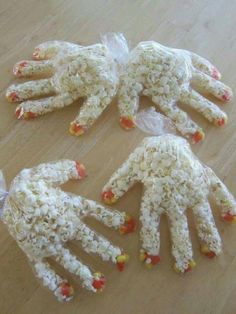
<point x="42" y="218"/>
<point x="174" y="180"/>
<point x="164" y="74"/>
<point x="76" y="71"/>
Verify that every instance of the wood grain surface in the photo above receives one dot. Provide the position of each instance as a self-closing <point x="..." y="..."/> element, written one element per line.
<point x="203" y="26"/>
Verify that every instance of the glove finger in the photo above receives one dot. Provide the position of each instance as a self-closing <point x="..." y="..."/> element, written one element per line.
<point x="184" y="124"/>
<point x="32" y="108"/>
<point x="94" y="243"/>
<point x="150" y="231"/>
<point x="71" y="263"/>
<point x="208" y="234"/>
<point x="214" y="87"/>
<point x="28" y="68"/>
<point x="50" y="49"/>
<point x="205" y="66"/>
<point x="29" y="90"/>
<point x="181" y="243"/>
<point x="88" y="114"/>
<point x="61" y="289"/>
<point x="205" y="107"/>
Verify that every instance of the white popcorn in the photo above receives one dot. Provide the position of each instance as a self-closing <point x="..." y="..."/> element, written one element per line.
<point x="42" y="218"/>
<point x="165" y="74"/>
<point x="77" y="72"/>
<point x="174" y="180"/>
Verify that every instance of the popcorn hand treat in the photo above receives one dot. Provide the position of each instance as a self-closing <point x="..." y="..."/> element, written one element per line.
<point x="165" y="74"/>
<point x="76" y="71"/>
<point x="42" y="218"/>
<point x="174" y="180"/>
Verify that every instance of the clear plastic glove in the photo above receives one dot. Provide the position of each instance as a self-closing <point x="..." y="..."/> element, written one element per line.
<point x="42" y="218"/>
<point x="174" y="180"/>
<point x="165" y="74"/>
<point x="76" y="71"/>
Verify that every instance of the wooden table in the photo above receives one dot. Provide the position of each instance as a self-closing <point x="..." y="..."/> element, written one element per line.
<point x="206" y="27"/>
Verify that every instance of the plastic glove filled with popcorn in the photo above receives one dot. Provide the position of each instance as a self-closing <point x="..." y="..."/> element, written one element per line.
<point x="76" y="71"/>
<point x="174" y="180"/>
<point x="165" y="74"/>
<point x="42" y="218"/>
